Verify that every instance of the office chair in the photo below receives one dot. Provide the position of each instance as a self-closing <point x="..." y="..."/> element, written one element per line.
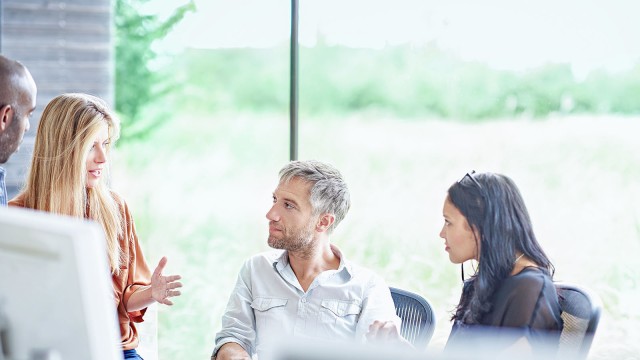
<point x="418" y="319"/>
<point x="581" y="314"/>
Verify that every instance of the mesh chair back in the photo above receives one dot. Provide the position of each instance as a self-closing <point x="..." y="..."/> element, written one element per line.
<point x="581" y="314"/>
<point x="418" y="320"/>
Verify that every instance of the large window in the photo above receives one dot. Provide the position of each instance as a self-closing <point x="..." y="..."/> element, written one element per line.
<point x="404" y="97"/>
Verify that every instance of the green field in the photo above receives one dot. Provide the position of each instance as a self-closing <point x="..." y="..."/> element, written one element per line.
<point x="200" y="187"/>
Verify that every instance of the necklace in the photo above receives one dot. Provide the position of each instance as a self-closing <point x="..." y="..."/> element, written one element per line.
<point x="518" y="258"/>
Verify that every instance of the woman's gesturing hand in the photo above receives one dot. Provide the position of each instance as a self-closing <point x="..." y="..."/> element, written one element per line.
<point x="163" y="287"/>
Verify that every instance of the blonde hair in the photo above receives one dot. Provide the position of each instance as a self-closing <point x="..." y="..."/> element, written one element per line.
<point x="58" y="175"/>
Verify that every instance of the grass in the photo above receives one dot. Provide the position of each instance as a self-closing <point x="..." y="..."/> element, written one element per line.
<point x="200" y="186"/>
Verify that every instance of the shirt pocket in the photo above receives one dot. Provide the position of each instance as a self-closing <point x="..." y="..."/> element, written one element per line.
<point x="269" y="313"/>
<point x="340" y="312"/>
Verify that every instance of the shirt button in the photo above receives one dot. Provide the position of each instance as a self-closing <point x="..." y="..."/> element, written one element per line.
<point x="304" y="300"/>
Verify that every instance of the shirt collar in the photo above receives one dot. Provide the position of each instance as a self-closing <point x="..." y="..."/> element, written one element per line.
<point x="282" y="261"/>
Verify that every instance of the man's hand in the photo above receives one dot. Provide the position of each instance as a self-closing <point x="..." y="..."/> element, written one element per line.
<point x="231" y="351"/>
<point x="386" y="332"/>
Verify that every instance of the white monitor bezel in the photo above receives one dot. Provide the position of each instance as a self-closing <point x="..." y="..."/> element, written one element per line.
<point x="41" y="316"/>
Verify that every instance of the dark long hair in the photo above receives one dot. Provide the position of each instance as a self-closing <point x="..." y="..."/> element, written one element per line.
<point x="493" y="206"/>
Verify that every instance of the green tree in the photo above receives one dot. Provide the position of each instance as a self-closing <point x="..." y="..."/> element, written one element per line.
<point x="136" y="83"/>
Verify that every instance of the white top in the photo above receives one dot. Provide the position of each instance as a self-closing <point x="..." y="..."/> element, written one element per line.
<point x="268" y="304"/>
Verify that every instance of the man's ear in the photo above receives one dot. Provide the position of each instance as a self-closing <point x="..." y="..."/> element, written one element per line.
<point x="6" y="116"/>
<point x="325" y="222"/>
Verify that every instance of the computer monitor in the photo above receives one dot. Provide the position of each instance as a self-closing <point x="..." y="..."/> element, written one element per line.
<point x="488" y="347"/>
<point x="56" y="296"/>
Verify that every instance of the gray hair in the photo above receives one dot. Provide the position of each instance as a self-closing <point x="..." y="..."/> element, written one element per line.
<point x="329" y="192"/>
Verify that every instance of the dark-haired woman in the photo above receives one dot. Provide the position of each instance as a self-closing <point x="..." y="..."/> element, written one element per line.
<point x="509" y="305"/>
<point x="511" y="299"/>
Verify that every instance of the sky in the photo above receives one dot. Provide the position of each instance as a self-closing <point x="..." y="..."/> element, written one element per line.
<point x="506" y="34"/>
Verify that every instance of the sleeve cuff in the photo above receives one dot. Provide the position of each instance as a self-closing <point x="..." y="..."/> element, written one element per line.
<point x="226" y="340"/>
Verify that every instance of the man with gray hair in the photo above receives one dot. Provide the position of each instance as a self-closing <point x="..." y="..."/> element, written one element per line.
<point x="307" y="289"/>
<point x="17" y="102"/>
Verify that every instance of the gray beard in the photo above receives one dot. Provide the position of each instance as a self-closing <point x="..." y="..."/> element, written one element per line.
<point x="300" y="242"/>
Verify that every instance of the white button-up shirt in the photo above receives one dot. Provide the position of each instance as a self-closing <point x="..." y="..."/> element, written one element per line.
<point x="3" y="189"/>
<point x="268" y="304"/>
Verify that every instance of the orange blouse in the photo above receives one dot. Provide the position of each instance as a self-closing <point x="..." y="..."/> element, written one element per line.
<point x="134" y="273"/>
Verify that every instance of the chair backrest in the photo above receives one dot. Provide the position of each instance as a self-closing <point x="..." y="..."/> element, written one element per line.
<point x="418" y="320"/>
<point x="581" y="313"/>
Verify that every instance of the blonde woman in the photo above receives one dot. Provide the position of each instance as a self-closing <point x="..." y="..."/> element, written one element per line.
<point x="67" y="174"/>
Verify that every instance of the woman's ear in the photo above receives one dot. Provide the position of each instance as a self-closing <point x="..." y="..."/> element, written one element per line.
<point x="477" y="235"/>
<point x="325" y="222"/>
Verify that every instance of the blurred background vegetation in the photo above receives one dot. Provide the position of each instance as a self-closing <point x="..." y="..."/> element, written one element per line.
<point x="398" y="80"/>
<point x="205" y="131"/>
<point x="402" y="80"/>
